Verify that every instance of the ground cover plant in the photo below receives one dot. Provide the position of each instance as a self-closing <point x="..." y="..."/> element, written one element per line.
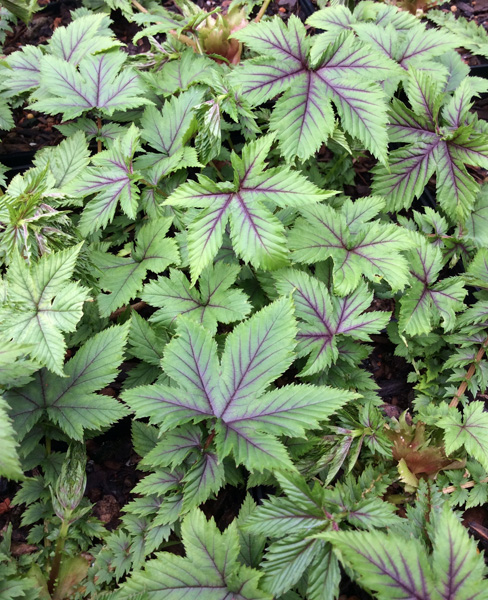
<point x="193" y="266"/>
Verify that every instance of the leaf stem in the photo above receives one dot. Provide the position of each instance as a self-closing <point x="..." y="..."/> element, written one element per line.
<point x="469" y="484"/>
<point x="58" y="555"/>
<point x="136" y="306"/>
<point x="262" y="10"/>
<point x="209" y="440"/>
<point x="472" y="368"/>
<point x="99" y="141"/>
<point x="139" y="6"/>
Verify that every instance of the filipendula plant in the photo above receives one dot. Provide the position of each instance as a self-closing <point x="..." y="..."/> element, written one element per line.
<point x="198" y="282"/>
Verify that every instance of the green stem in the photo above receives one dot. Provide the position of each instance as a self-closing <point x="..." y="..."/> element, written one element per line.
<point x="219" y="174"/>
<point x="262" y="10"/>
<point x="58" y="556"/>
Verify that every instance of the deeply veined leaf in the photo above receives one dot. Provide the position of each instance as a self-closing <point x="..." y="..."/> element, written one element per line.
<point x="442" y="143"/>
<point x="257" y="234"/>
<point x="70" y="402"/>
<point x="457" y="565"/>
<point x="426" y="303"/>
<point x="205" y="478"/>
<point x="10" y="466"/>
<point x="42" y="304"/>
<point x="210" y="570"/>
<point x="248" y="418"/>
<point x="344" y="73"/>
<point x="213" y="302"/>
<point x="98" y="84"/>
<point x="87" y="34"/>
<point x="357" y="245"/>
<point x="391" y="567"/>
<point x="469" y="430"/>
<point x="251" y="544"/>
<point x="326" y="318"/>
<point x="112" y="181"/>
<point x="65" y="161"/>
<point x="285" y="562"/>
<point x="123" y="277"/>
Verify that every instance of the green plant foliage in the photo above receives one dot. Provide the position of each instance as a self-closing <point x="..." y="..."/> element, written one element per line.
<point x="243" y="306"/>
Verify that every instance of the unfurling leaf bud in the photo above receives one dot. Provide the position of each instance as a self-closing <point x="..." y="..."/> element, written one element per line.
<point x="71" y="482"/>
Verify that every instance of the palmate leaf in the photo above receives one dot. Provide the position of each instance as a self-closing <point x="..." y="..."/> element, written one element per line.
<point x="123" y="277"/>
<point x="10" y="466"/>
<point x="41" y="304"/>
<point x="458" y="567"/>
<point x="447" y="143"/>
<point x="472" y="35"/>
<point x="112" y="180"/>
<point x="295" y="521"/>
<point x="15" y="368"/>
<point x="257" y="235"/>
<point x="70" y="401"/>
<point x="469" y="430"/>
<point x="357" y="245"/>
<point x="247" y="419"/>
<point x="344" y="73"/>
<point x="210" y="570"/>
<point x="97" y="83"/>
<point x="389" y="31"/>
<point x="213" y="302"/>
<point x="426" y="303"/>
<point x="65" y="161"/>
<point x="86" y="34"/>
<point x="326" y="319"/>
<point x="396" y="568"/>
<point x="167" y="131"/>
<point x="391" y="567"/>
<point x="178" y="75"/>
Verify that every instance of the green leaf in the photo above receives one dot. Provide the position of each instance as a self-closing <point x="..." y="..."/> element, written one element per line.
<point x="389" y="566"/>
<point x="41" y="304"/>
<point x="213" y="302"/>
<point x="123" y="277"/>
<point x="247" y="418"/>
<point x="210" y="570"/>
<point x="357" y="245"/>
<point x="257" y="234"/>
<point x="21" y="8"/>
<point x="327" y="319"/>
<point x="98" y="84"/>
<point x="426" y="303"/>
<point x="70" y="401"/>
<point x="286" y="561"/>
<point x="10" y="466"/>
<point x="66" y="161"/>
<point x="251" y="544"/>
<point x="112" y="180"/>
<point x="459" y="569"/>
<point x="469" y="430"/>
<point x="343" y="72"/>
